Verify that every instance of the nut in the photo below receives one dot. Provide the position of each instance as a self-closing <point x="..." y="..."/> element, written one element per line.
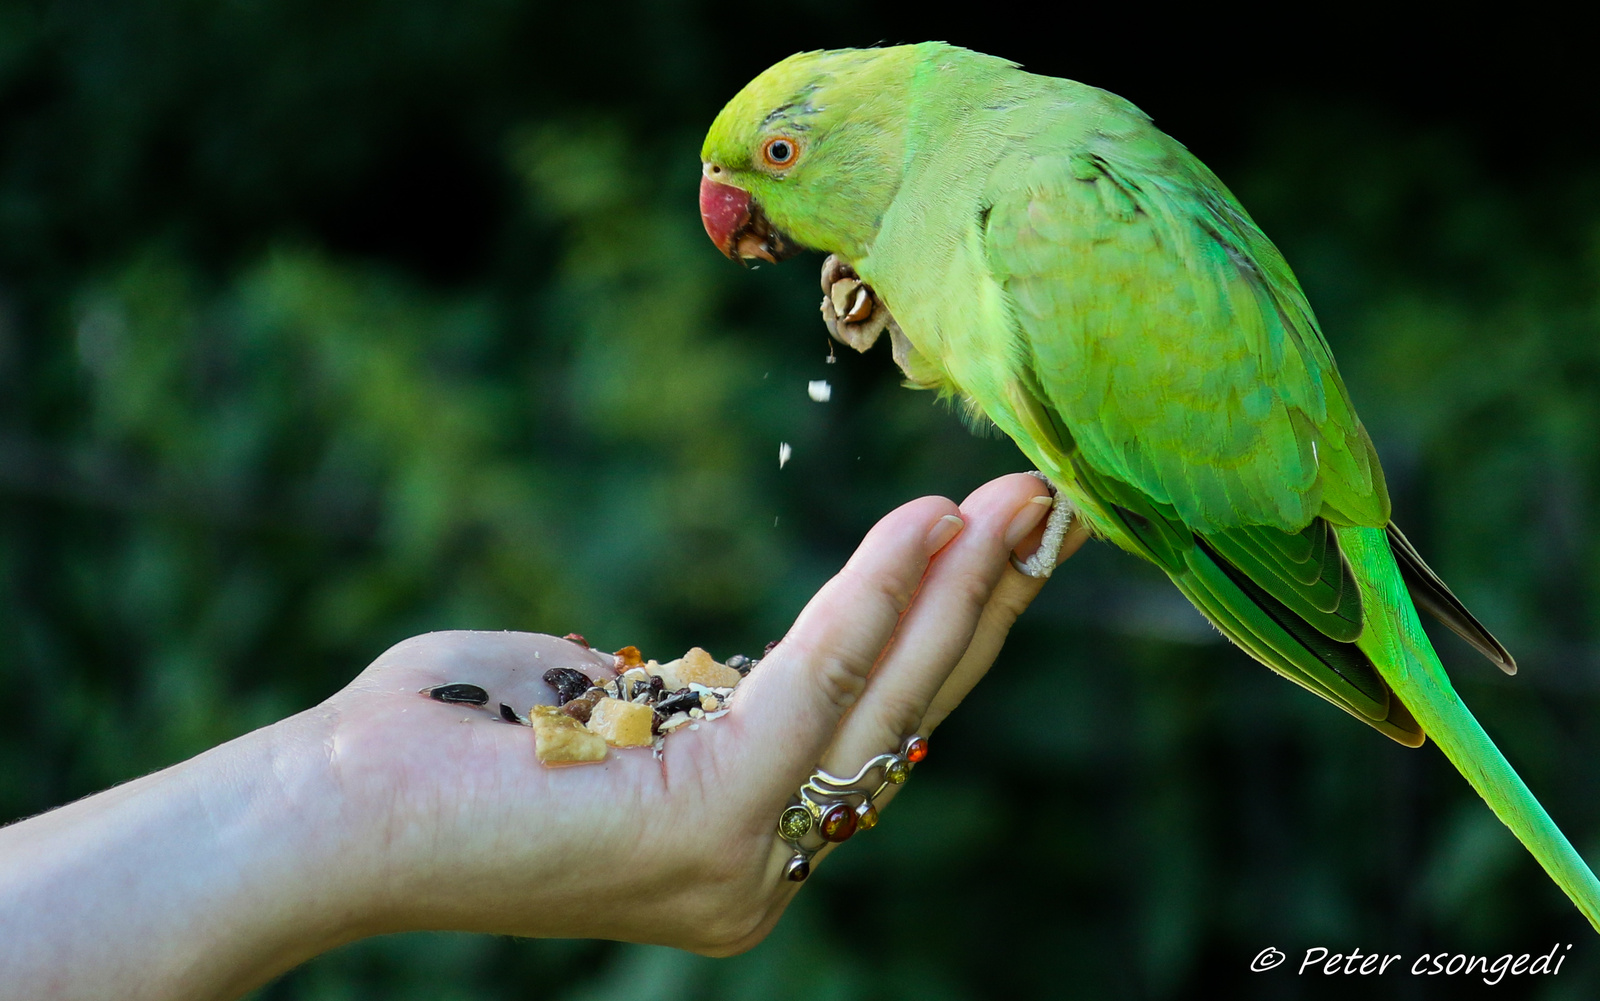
<point x="841" y="293"/>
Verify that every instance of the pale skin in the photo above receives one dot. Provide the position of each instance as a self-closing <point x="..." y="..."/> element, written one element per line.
<point x="382" y="811"/>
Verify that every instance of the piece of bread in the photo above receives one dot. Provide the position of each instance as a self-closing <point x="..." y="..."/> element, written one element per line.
<point x="558" y="738"/>
<point x="622" y="724"/>
<point x="696" y="668"/>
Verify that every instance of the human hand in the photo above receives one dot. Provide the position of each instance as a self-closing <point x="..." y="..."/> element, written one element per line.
<point x="468" y="831"/>
<point x="382" y="811"/>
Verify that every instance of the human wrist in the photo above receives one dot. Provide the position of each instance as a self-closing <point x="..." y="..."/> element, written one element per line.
<point x="312" y="849"/>
<point x="270" y="873"/>
<point x="229" y="865"/>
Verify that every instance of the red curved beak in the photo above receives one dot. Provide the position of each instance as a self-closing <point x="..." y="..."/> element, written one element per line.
<point x="725" y="210"/>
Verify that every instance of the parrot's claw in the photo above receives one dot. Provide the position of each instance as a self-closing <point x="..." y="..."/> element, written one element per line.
<point x="1043" y="561"/>
<point x="853" y="312"/>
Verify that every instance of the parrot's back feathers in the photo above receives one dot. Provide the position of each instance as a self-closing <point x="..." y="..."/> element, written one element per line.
<point x="1171" y="337"/>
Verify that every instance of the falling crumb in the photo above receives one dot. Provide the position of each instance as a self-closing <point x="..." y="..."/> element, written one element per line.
<point x="784" y="451"/>
<point x="819" y="390"/>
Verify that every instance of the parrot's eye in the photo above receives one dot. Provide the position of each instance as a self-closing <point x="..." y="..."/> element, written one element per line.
<point x="779" y="152"/>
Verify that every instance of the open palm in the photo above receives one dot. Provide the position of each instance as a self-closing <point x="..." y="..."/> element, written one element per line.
<point x="468" y="831"/>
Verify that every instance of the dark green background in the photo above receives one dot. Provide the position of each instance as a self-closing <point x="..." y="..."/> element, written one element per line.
<point x="324" y="324"/>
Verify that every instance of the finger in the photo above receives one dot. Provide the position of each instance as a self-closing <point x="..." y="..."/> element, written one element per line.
<point x="795" y="700"/>
<point x="1011" y="597"/>
<point x="940" y="624"/>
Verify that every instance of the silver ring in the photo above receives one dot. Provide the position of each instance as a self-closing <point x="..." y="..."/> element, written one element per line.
<point x="829" y="809"/>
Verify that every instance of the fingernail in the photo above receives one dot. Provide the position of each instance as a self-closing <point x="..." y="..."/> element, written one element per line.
<point x="943" y="531"/>
<point x="1027" y="519"/>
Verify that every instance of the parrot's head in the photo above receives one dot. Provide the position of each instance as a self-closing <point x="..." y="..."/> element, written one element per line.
<point x="808" y="155"/>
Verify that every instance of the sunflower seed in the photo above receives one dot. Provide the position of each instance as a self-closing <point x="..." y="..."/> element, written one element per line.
<point x="681" y="700"/>
<point x="466" y="694"/>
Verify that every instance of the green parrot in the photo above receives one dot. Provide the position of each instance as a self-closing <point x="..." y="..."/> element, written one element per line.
<point x="1039" y="251"/>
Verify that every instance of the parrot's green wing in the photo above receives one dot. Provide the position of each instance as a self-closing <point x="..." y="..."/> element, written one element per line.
<point x="1262" y="588"/>
<point x="1169" y="335"/>
<point x="1208" y="426"/>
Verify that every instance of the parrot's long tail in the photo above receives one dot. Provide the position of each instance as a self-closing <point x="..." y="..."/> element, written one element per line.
<point x="1453" y="727"/>
<point x="1407" y="661"/>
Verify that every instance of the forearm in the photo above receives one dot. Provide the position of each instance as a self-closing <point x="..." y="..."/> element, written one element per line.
<point x="199" y="881"/>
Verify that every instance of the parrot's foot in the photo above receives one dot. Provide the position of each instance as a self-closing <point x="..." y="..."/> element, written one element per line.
<point x="853" y="312"/>
<point x="1043" y="561"/>
<point x="855" y="315"/>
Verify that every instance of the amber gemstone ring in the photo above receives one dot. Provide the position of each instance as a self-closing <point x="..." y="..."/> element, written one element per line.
<point x="830" y="809"/>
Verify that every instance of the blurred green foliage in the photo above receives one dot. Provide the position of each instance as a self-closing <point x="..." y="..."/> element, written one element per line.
<point x="324" y="325"/>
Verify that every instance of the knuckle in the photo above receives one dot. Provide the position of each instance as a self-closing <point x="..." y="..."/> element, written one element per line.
<point x="973" y="586"/>
<point x="888" y="586"/>
<point x="994" y="626"/>
<point x="840" y="681"/>
<point x="899" y="715"/>
<point x="1012" y="596"/>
